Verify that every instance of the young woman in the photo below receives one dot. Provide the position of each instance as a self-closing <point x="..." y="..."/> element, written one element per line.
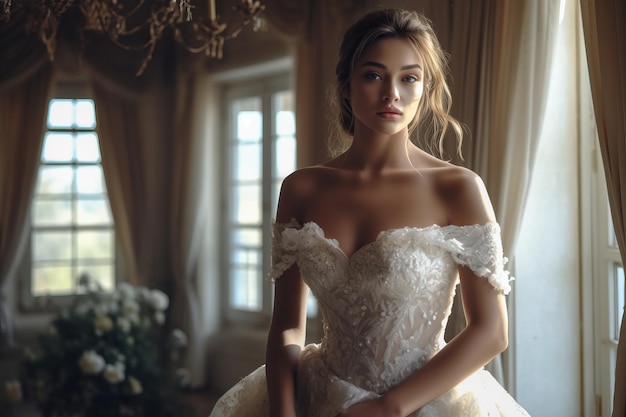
<point x="381" y="235"/>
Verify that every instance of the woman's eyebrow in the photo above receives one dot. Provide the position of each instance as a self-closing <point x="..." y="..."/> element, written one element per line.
<point x="382" y="66"/>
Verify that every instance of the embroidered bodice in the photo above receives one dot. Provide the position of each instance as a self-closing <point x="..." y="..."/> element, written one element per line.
<point x="385" y="308"/>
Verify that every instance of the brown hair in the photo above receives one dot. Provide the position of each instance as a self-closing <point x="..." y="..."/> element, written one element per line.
<point x="433" y="111"/>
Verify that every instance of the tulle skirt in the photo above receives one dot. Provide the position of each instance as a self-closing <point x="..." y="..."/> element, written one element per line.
<point x="323" y="394"/>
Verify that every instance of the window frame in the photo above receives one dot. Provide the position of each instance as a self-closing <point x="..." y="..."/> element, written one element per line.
<point x="606" y="257"/>
<point x="71" y="88"/>
<point x="265" y="87"/>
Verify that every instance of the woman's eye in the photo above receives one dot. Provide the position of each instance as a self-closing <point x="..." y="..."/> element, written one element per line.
<point x="372" y="76"/>
<point x="411" y="79"/>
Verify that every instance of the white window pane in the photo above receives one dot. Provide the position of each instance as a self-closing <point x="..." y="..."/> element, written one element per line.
<point x="247" y="161"/>
<point x="285" y="160"/>
<point x="52" y="213"/>
<point x="94" y="244"/>
<point x="249" y="126"/>
<point x="619" y="299"/>
<point x="60" y="114"/>
<point x="51" y="246"/>
<point x="90" y="180"/>
<point x="285" y="123"/>
<point x="247" y="237"/>
<point x="245" y="290"/>
<point x="52" y="280"/>
<point x="54" y="180"/>
<point x="93" y="212"/>
<point x="85" y="114"/>
<point x="311" y="306"/>
<point x="58" y="147"/>
<point x="87" y="148"/>
<point x="247" y="204"/>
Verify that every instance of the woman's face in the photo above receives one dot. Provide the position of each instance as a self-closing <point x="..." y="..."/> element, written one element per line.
<point x="386" y="86"/>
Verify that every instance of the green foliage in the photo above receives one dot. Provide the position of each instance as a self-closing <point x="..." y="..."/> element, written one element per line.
<point x="101" y="358"/>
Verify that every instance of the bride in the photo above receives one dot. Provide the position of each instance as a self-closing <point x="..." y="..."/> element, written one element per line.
<point x="381" y="235"/>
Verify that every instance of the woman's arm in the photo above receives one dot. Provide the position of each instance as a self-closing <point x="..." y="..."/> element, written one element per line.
<point x="288" y="328"/>
<point x="485" y="335"/>
<point x="285" y="341"/>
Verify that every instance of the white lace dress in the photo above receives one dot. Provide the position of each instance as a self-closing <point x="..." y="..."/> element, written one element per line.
<point x="384" y="312"/>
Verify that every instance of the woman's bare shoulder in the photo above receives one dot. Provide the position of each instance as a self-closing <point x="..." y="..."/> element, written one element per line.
<point x="464" y="194"/>
<point x="300" y="187"/>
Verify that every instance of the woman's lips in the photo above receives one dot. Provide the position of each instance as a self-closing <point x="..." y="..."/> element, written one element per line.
<point x="389" y="114"/>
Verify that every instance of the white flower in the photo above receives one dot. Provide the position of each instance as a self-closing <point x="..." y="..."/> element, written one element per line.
<point x="123" y="324"/>
<point x="179" y="338"/>
<point x="91" y="363"/>
<point x="130" y="307"/>
<point x="101" y="309"/>
<point x="84" y="308"/>
<point x="135" y="385"/>
<point x="113" y="307"/>
<point x="133" y="318"/>
<point x="110" y="297"/>
<point x="143" y="293"/>
<point x="125" y="291"/>
<point x="159" y="300"/>
<point x="159" y="317"/>
<point x="13" y="391"/>
<point x="103" y="324"/>
<point x="114" y="373"/>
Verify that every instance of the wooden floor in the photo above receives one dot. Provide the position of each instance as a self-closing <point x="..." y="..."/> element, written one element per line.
<point x="195" y="404"/>
<point x="200" y="402"/>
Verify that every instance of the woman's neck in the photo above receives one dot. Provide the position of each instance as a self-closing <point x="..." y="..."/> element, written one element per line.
<point x="376" y="153"/>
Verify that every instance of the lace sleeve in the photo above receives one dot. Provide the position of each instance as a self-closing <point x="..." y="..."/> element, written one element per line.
<point x="284" y="248"/>
<point x="479" y="247"/>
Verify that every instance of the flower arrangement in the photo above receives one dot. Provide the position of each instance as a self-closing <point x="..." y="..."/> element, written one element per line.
<point x="101" y="357"/>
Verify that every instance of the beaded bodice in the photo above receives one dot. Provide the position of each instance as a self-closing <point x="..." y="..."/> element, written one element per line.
<point x="385" y="308"/>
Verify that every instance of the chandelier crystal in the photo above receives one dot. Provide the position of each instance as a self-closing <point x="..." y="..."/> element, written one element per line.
<point x="138" y="25"/>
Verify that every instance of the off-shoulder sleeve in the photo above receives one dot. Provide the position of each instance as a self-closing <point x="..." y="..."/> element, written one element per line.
<point x="284" y="248"/>
<point x="479" y="247"/>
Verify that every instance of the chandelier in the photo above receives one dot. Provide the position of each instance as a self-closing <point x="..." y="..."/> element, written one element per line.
<point x="138" y="24"/>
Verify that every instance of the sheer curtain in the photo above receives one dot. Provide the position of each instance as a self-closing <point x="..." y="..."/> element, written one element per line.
<point x="506" y="156"/>
<point x="497" y="50"/>
<point x="604" y="25"/>
<point x="189" y="213"/>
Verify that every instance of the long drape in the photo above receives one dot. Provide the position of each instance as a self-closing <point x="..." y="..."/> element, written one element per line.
<point x="122" y="163"/>
<point x="188" y="216"/>
<point x="604" y="25"/>
<point x="497" y="50"/>
<point x="22" y="122"/>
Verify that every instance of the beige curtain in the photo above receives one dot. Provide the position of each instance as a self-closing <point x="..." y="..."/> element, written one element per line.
<point x="519" y="100"/>
<point x="123" y="165"/>
<point x="604" y="25"/>
<point x="497" y="50"/>
<point x="189" y="213"/>
<point x="505" y="154"/>
<point x="471" y="33"/>
<point x="22" y="122"/>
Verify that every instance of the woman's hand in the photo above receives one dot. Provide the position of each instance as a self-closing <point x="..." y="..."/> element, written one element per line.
<point x="377" y="407"/>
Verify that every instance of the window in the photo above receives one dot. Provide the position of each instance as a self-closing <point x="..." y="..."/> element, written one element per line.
<point x="72" y="230"/>
<point x="610" y="289"/>
<point x="260" y="153"/>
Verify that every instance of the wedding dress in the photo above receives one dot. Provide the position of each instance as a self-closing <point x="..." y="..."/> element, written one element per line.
<point x="384" y="312"/>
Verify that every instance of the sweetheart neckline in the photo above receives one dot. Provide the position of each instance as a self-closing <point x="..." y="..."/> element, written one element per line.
<point x="335" y="243"/>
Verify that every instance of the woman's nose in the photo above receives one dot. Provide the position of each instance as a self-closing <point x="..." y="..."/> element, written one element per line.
<point x="390" y="92"/>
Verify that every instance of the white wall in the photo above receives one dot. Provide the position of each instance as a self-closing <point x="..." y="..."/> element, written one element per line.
<point x="547" y="309"/>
